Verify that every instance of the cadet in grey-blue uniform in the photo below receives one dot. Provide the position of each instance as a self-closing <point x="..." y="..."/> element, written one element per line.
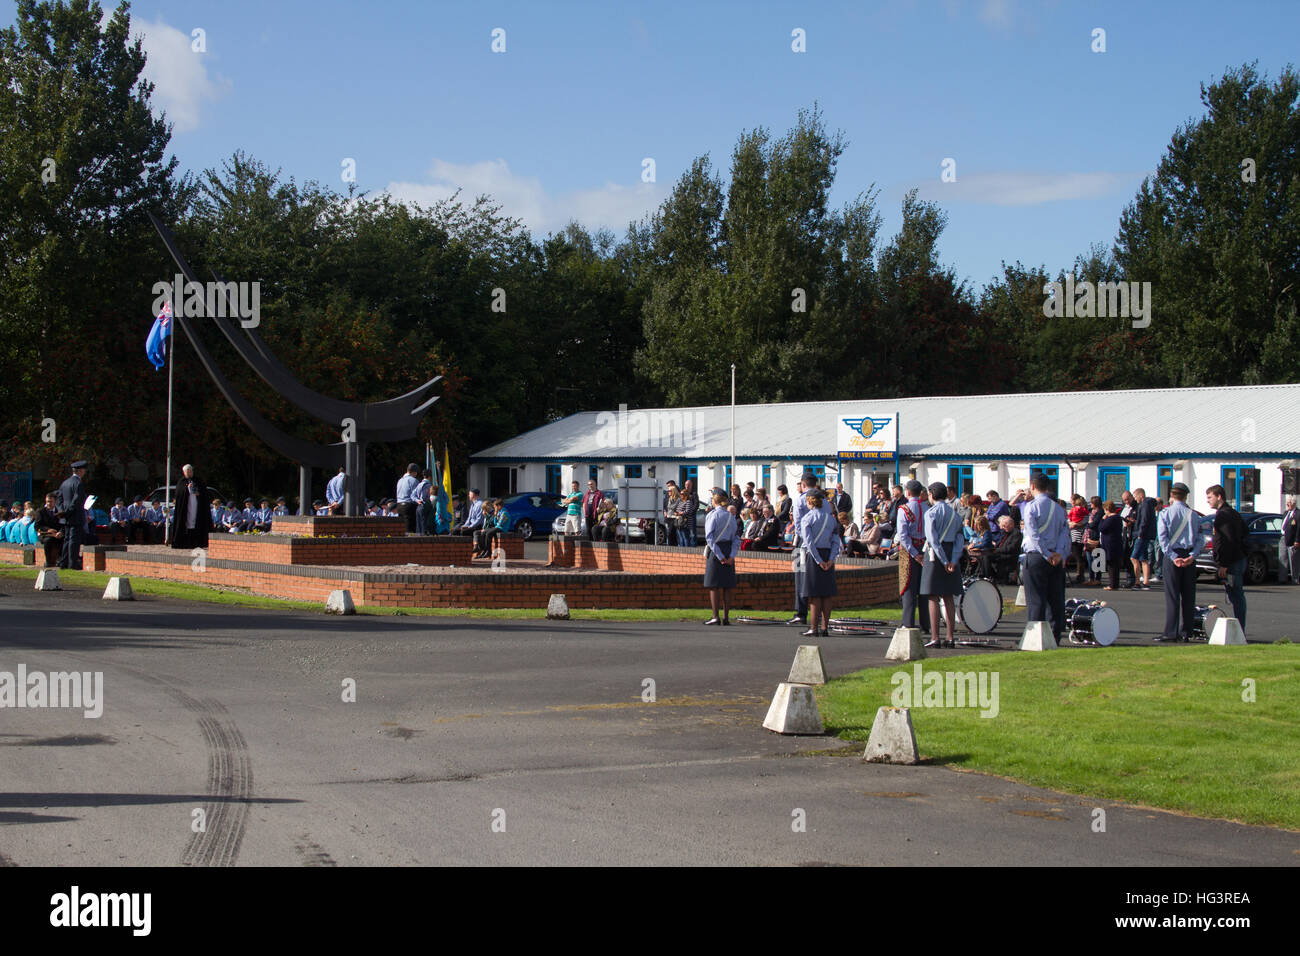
<point x="819" y="536"/>
<point x="798" y="508"/>
<point x="72" y="515"/>
<point x="721" y="545"/>
<point x="1046" y="543"/>
<point x="1176" y="532"/>
<point x="909" y="538"/>
<point x="941" y="572"/>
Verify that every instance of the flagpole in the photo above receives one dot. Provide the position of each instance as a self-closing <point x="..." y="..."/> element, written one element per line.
<point x="171" y="366"/>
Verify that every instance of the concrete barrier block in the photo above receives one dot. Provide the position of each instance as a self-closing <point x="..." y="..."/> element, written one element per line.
<point x="892" y="739"/>
<point x="1020" y="597"/>
<point x="794" y="710"/>
<point x="807" y="667"/>
<point x="908" y="644"/>
<point x="340" y="602"/>
<point x="1037" y="637"/>
<point x="48" y="580"/>
<point x="1227" y="630"/>
<point x="557" y="608"/>
<point x="119" y="589"/>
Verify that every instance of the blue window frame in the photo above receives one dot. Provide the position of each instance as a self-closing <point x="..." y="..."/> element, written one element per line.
<point x="1164" y="481"/>
<point x="631" y="471"/>
<point x="593" y="472"/>
<point x="962" y="478"/>
<point x="1112" y="483"/>
<point x="726" y="481"/>
<point x="1240" y="485"/>
<point x="818" y="470"/>
<point x="552" y="479"/>
<point x="687" y="473"/>
<point x="1051" y="471"/>
<point x="767" y="481"/>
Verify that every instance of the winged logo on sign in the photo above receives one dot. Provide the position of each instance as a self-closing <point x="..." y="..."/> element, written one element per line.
<point x="866" y="427"/>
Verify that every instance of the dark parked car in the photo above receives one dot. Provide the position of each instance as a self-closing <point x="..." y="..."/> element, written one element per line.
<point x="1263" y="531"/>
<point x="532" y="510"/>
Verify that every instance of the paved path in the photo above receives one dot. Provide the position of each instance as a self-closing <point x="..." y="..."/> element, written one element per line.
<point x="238" y="713"/>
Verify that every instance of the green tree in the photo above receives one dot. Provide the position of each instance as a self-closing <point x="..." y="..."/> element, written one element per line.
<point x="1216" y="231"/>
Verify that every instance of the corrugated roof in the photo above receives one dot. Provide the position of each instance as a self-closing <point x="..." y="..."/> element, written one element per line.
<point x="1246" y="421"/>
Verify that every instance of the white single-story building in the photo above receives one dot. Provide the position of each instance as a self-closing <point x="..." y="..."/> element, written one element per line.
<point x="1246" y="438"/>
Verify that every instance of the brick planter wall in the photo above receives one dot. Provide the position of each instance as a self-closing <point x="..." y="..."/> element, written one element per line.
<point x="302" y="550"/>
<point x="348" y="527"/>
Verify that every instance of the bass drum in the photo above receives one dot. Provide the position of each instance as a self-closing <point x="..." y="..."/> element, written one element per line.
<point x="980" y="606"/>
<point x="1204" y="619"/>
<point x="1094" y="622"/>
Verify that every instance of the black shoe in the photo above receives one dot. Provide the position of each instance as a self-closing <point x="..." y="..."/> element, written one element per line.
<point x="1165" y="639"/>
<point x="726" y="622"/>
<point x="826" y="632"/>
<point x="952" y="644"/>
<point x="713" y="620"/>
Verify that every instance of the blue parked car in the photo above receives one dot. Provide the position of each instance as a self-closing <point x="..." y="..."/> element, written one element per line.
<point x="532" y="510"/>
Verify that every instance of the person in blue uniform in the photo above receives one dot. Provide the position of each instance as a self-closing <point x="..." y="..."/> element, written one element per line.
<point x="421" y="497"/>
<point x="1045" y="545"/>
<point x="72" y="515"/>
<point x="721" y="545"/>
<point x="120" y="518"/>
<point x="334" y="493"/>
<point x="1180" y="543"/>
<point x="281" y="510"/>
<point x="940" y="573"/>
<point x="138" y="514"/>
<point x="909" y="539"/>
<point x="820" y="540"/>
<point x="798" y="508"/>
<point x="155" y="520"/>
<point x="263" y="516"/>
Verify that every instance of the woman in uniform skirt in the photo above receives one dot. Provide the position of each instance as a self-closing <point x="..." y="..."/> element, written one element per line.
<point x="941" y="575"/>
<point x="721" y="545"/>
<point x="819" y="534"/>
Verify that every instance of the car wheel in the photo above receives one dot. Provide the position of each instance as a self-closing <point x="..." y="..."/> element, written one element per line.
<point x="524" y="527"/>
<point x="1256" y="568"/>
<point x="661" y="534"/>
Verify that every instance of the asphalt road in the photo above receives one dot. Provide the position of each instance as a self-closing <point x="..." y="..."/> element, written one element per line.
<point x="539" y="727"/>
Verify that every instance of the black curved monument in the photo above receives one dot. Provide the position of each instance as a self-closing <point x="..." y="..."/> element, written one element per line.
<point x="392" y="420"/>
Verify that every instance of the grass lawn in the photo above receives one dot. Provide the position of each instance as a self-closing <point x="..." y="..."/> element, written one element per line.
<point x="1159" y="726"/>
<point x="193" y="592"/>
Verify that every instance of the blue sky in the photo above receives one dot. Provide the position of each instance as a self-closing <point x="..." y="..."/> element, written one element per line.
<point x="1050" y="139"/>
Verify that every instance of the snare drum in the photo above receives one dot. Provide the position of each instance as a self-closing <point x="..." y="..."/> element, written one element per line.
<point x="1203" y="621"/>
<point x="979" y="606"/>
<point x="1093" y="622"/>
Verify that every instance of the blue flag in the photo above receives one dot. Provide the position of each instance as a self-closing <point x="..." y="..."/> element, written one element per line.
<point x="155" y="346"/>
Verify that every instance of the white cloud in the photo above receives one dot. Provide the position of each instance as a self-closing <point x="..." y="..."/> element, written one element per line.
<point x="1025" y="188"/>
<point x="996" y="13"/>
<point x="180" y="76"/>
<point x="524" y="197"/>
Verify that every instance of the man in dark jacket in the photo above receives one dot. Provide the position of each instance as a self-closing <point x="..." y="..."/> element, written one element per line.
<point x="1291" y="540"/>
<point x="1144" y="539"/>
<point x="1005" y="557"/>
<point x="72" y="515"/>
<point x="841" y="499"/>
<point x="192" y="519"/>
<point x="591" y="503"/>
<point x="1229" y="550"/>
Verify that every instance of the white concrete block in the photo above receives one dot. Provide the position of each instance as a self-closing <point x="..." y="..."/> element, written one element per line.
<point x="794" y="710"/>
<point x="1037" y="637"/>
<point x="340" y="602"/>
<point x="908" y="644"/>
<point x="1020" y="597"/>
<point x="1227" y="630"/>
<point x="48" y="580"/>
<point x="807" y="667"/>
<point x="892" y="739"/>
<point x="557" y="608"/>
<point x="119" y="589"/>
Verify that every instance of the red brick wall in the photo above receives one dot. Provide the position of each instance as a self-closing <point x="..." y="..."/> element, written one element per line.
<point x="347" y="527"/>
<point x="297" y="549"/>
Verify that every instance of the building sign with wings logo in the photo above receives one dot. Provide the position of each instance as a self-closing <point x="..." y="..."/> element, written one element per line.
<point x="869" y="438"/>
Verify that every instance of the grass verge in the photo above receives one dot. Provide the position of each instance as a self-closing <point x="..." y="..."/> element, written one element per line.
<point x="1165" y="727"/>
<point x="177" y="590"/>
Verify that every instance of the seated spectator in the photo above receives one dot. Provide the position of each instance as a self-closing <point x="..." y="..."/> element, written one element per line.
<point x="1003" y="560"/>
<point x="281" y="509"/>
<point x="262" y="517"/>
<point x="607" y="521"/>
<point x="751" y="525"/>
<point x="767" y="532"/>
<point x="318" y="508"/>
<point x="980" y="541"/>
<point x="120" y="519"/>
<point x="485" y="529"/>
<point x="848" y="529"/>
<point x="155" y="519"/>
<point x="216" y="512"/>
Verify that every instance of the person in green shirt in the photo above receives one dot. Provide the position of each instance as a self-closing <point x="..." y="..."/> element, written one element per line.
<point x="573" y="510"/>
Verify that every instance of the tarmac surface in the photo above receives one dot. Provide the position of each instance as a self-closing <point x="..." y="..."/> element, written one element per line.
<point x="478" y="741"/>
